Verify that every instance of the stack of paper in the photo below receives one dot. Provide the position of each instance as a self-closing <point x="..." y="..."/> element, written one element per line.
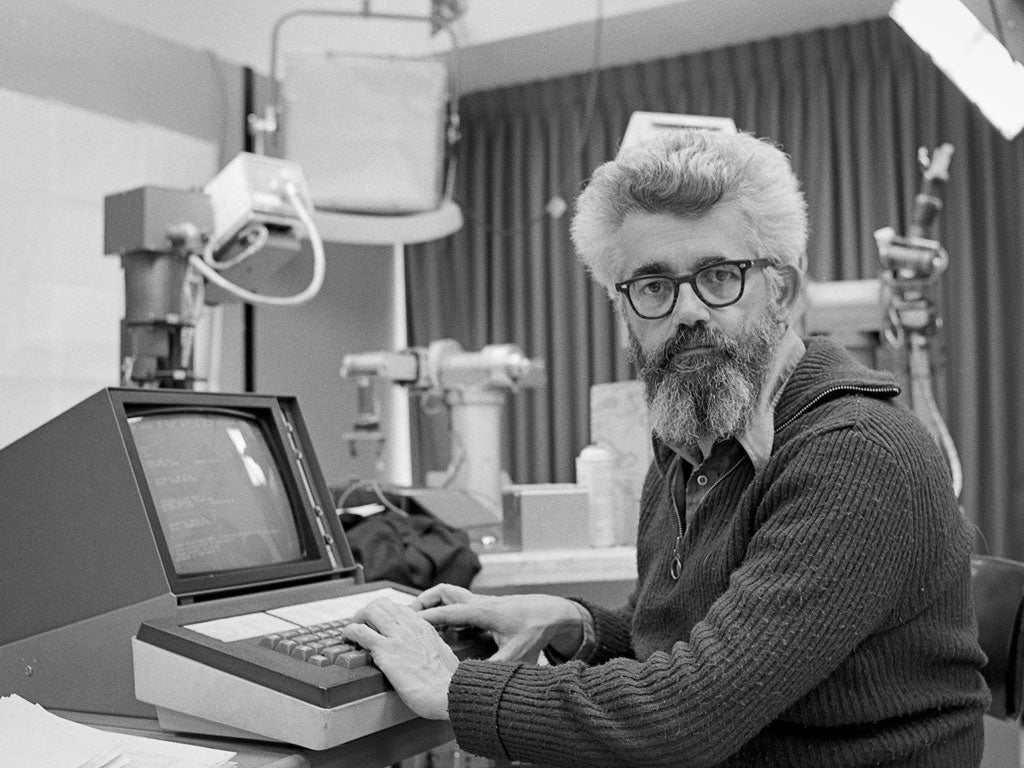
<point x="31" y="736"/>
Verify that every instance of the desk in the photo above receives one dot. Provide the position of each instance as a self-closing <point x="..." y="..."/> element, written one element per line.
<point x="605" y="575"/>
<point x="396" y="744"/>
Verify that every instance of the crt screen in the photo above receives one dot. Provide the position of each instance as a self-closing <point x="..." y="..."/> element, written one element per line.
<point x="218" y="492"/>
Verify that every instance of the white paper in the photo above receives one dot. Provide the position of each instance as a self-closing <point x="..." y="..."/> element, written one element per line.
<point x="31" y="737"/>
<point x="158" y="753"/>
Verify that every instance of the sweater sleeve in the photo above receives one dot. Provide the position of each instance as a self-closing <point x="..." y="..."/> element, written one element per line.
<point x="836" y="543"/>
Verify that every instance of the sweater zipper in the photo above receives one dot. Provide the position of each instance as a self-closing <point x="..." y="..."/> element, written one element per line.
<point x="676" y="567"/>
<point x="878" y="390"/>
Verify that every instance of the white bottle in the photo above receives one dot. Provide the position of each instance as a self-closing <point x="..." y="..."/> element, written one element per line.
<point x="594" y="468"/>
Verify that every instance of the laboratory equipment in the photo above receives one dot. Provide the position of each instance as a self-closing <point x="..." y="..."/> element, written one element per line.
<point x="473" y="387"/>
<point x="911" y="268"/>
<point x="375" y="133"/>
<point x="595" y="472"/>
<point x="184" y="249"/>
<point x="644" y="126"/>
<point x="153" y="539"/>
<point x="891" y="322"/>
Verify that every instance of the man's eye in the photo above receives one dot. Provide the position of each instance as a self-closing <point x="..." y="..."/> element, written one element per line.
<point x="720" y="275"/>
<point x="654" y="287"/>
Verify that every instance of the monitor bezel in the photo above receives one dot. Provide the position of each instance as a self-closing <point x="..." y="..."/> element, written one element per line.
<point x="268" y="411"/>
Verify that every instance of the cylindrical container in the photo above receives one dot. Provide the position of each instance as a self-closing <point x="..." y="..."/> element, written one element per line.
<point x="594" y="472"/>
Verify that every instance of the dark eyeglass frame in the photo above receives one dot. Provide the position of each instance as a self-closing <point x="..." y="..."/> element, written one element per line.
<point x="742" y="264"/>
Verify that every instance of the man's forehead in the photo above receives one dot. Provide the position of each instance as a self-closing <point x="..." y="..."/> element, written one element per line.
<point x="656" y="266"/>
<point x="650" y="243"/>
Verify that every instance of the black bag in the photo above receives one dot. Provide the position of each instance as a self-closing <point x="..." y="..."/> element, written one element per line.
<point x="415" y="549"/>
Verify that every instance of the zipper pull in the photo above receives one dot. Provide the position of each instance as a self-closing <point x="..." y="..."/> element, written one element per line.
<point x="677" y="561"/>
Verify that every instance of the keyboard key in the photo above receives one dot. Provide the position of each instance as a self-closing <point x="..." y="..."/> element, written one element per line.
<point x="319" y="660"/>
<point x="352" y="659"/>
<point x="285" y="647"/>
<point x="301" y="652"/>
<point x="334" y="651"/>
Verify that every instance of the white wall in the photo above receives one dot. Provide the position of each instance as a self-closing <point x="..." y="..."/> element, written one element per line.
<point x="63" y="300"/>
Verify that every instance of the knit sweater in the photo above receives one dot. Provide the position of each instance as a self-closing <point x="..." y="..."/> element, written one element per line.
<point x="822" y="617"/>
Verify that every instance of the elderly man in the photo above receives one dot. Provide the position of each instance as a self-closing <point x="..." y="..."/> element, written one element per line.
<point x="803" y="593"/>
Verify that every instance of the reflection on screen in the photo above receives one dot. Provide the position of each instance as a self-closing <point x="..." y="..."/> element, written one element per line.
<point x="219" y="494"/>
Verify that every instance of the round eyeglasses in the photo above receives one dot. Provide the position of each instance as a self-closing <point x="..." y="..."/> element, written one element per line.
<point x="717" y="285"/>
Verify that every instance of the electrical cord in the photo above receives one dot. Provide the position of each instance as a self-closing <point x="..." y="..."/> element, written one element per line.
<point x="255" y="235"/>
<point x="1000" y="34"/>
<point x="556" y="205"/>
<point x="319" y="263"/>
<point x="373" y="485"/>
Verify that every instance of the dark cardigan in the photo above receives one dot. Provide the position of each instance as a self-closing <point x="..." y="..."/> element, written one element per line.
<point x="823" y="616"/>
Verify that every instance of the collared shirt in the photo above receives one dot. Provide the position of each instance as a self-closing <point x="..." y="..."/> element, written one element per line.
<point x="711" y="462"/>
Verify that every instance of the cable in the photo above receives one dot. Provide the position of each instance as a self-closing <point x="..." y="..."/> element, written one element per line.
<point x="1000" y="34"/>
<point x="556" y="205"/>
<point x="373" y="485"/>
<point x="319" y="264"/>
<point x="255" y="234"/>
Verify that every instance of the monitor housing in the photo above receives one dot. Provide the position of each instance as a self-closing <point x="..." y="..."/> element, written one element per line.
<point x="97" y="537"/>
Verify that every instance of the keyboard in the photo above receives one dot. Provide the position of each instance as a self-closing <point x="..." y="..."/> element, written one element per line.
<point x="298" y="680"/>
<point x="319" y="644"/>
<point x="322" y="644"/>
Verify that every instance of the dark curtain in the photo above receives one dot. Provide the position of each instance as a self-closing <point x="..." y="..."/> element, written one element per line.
<point x="851" y="105"/>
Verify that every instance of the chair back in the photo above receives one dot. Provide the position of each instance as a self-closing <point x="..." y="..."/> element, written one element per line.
<point x="998" y="588"/>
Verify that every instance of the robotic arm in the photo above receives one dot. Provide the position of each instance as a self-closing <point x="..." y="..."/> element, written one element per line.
<point x="473" y="386"/>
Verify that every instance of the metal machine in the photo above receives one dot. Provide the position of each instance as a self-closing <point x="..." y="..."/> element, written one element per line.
<point x="473" y="387"/>
<point x="911" y="268"/>
<point x="891" y="322"/>
<point x="184" y="249"/>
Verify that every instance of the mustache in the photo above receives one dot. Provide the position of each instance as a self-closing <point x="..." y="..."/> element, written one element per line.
<point x="690" y="337"/>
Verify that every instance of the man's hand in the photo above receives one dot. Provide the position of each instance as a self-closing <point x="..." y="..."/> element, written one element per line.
<point x="409" y="652"/>
<point x="522" y="625"/>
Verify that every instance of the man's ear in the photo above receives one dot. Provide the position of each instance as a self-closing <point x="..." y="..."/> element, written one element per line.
<point x="789" y="287"/>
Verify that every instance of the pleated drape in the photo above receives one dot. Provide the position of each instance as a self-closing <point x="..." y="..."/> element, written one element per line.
<point x="851" y="105"/>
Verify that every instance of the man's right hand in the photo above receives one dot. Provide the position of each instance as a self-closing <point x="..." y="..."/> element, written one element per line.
<point x="522" y="625"/>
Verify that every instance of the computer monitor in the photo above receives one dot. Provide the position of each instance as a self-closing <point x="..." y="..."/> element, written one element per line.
<point x="219" y="494"/>
<point x="227" y="489"/>
<point x="143" y="503"/>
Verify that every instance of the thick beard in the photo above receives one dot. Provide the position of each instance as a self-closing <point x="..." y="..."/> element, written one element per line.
<point x="712" y="395"/>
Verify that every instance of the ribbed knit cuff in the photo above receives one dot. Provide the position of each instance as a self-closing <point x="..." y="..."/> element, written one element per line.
<point x="587" y="645"/>
<point x="611" y="634"/>
<point x="473" y="699"/>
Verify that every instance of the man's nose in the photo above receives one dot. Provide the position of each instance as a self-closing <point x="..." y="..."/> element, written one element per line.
<point x="689" y="309"/>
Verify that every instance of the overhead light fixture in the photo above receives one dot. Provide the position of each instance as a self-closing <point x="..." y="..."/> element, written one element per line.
<point x="968" y="40"/>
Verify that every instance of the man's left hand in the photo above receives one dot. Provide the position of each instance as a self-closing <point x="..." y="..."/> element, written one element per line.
<point x="409" y="652"/>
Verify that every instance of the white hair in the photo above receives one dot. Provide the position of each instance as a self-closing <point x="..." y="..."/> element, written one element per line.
<point x="686" y="173"/>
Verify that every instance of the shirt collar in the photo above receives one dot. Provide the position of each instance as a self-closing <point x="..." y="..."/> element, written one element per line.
<point x="758" y="438"/>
